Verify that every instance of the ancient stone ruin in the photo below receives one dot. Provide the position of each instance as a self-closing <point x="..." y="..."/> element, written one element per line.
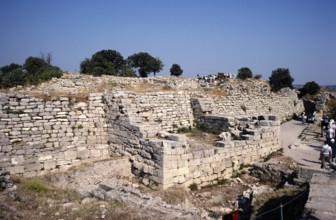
<point x="76" y="119"/>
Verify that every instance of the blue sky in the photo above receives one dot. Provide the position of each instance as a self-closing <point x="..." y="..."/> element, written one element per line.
<point x="201" y="36"/>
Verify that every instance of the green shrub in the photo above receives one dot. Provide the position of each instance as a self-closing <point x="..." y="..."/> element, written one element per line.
<point x="33" y="71"/>
<point x="49" y="74"/>
<point x="36" y="185"/>
<point x="244" y="73"/>
<point x="183" y="130"/>
<point x="311" y="88"/>
<point x="280" y="78"/>
<point x="11" y="111"/>
<point x="12" y="79"/>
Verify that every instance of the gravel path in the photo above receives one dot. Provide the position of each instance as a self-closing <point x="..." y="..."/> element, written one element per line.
<point x="302" y="143"/>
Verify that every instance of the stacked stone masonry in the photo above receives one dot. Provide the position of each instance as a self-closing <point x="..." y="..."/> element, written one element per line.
<point x="166" y="159"/>
<point x="39" y="135"/>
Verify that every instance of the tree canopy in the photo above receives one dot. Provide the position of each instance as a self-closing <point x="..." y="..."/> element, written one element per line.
<point x="311" y="88"/>
<point x="33" y="71"/>
<point x="145" y="63"/>
<point x="108" y="62"/>
<point x="176" y="70"/>
<point x="280" y="78"/>
<point x="244" y="73"/>
<point x="35" y="66"/>
<point x="10" y="68"/>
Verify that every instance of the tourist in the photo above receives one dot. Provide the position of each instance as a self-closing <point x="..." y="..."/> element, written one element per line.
<point x="324" y="124"/>
<point x="330" y="134"/>
<point x="333" y="148"/>
<point x="304" y="118"/>
<point x="326" y="153"/>
<point x="332" y="124"/>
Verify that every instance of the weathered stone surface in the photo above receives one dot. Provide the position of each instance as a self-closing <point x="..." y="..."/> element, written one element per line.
<point x="321" y="202"/>
<point x="59" y="132"/>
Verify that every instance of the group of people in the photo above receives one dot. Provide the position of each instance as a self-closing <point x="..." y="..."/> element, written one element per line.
<point x="310" y="117"/>
<point x="328" y="151"/>
<point x="215" y="78"/>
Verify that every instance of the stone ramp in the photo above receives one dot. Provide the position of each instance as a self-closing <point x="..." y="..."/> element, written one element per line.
<point x="322" y="196"/>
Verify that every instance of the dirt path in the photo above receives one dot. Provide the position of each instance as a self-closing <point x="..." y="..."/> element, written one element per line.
<point x="302" y="143"/>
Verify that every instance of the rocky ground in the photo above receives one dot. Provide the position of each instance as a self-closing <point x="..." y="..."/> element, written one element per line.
<point x="90" y="192"/>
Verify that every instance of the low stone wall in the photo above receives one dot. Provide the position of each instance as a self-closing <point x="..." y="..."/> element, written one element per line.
<point x="282" y="104"/>
<point x="162" y="159"/>
<point x="38" y="136"/>
<point x="165" y="111"/>
<point x="183" y="165"/>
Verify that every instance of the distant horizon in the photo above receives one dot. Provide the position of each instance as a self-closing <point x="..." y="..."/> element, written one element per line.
<point x="202" y="37"/>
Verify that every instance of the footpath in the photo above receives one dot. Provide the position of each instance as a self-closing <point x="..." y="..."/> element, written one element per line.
<point x="303" y="144"/>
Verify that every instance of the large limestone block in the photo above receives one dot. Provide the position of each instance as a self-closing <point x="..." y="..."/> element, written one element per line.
<point x="177" y="137"/>
<point x="49" y="164"/>
<point x="17" y="160"/>
<point x="6" y="148"/>
<point x="198" y="154"/>
<point x="16" y="169"/>
<point x="95" y="153"/>
<point x="44" y="157"/>
<point x="70" y="155"/>
<point x="83" y="154"/>
<point x="33" y="167"/>
<point x="181" y="179"/>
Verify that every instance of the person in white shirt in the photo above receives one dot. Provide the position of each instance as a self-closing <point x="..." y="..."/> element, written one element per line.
<point x="330" y="134"/>
<point x="326" y="153"/>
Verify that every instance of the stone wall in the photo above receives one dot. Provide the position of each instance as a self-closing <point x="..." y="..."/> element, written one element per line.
<point x="38" y="136"/>
<point x="165" y="111"/>
<point x="182" y="165"/>
<point x="283" y="104"/>
<point x="164" y="159"/>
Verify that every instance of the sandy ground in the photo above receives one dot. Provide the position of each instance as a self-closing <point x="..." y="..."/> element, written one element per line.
<point x="302" y="143"/>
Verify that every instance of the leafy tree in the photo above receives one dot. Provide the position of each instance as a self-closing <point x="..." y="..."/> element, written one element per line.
<point x="49" y="74"/>
<point x="34" y="70"/>
<point x="15" y="78"/>
<point x="10" y="68"/>
<point x="85" y="66"/>
<point x="157" y="65"/>
<point x="280" y="78"/>
<point x="35" y="66"/>
<point x="310" y="87"/>
<point x="176" y="70"/>
<point x="244" y="73"/>
<point x="108" y="62"/>
<point x="145" y="63"/>
<point x="127" y="71"/>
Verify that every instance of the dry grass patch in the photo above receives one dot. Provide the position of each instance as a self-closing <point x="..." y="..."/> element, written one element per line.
<point x="144" y="88"/>
<point x="173" y="195"/>
<point x="79" y="96"/>
<point x="215" y="92"/>
<point x="36" y="199"/>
